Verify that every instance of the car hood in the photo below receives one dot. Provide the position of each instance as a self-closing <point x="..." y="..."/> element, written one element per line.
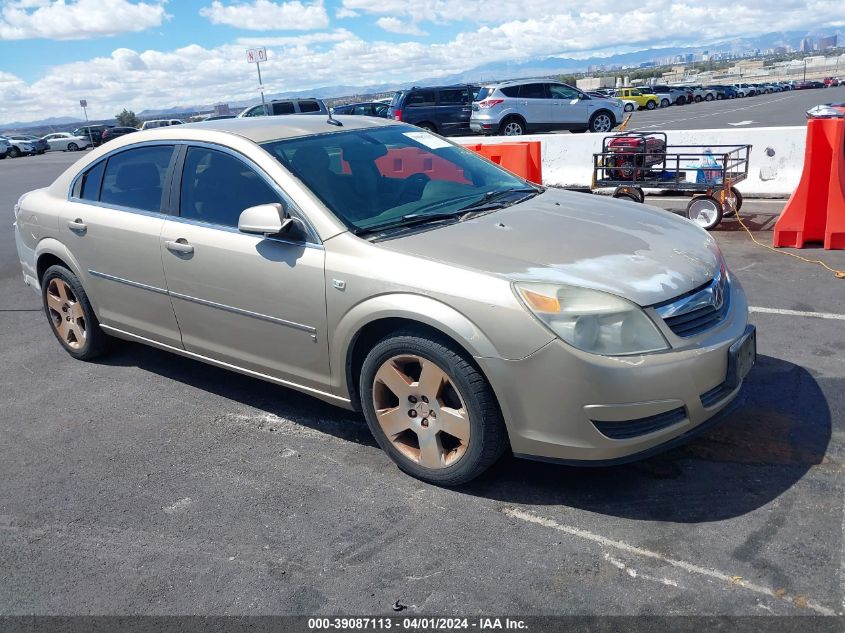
<point x="642" y="253"/>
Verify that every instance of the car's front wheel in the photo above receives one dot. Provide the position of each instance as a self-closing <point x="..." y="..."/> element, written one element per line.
<point x="430" y="409"/>
<point x="665" y="103"/>
<point x="601" y="122"/>
<point x="71" y="316"/>
<point x="72" y="147"/>
<point x="14" y="152"/>
<point x="428" y="127"/>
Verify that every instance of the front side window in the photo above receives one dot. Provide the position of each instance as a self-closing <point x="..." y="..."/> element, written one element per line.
<point x="216" y="187"/>
<point x="135" y="178"/>
<point x="559" y="91"/>
<point x="454" y="97"/>
<point x="255" y="111"/>
<point x="377" y="176"/>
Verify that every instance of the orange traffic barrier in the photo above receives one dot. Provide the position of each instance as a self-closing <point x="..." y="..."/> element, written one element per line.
<point x="521" y="158"/>
<point x="816" y="210"/>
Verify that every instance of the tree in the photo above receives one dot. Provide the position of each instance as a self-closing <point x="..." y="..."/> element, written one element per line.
<point x="127" y="118"/>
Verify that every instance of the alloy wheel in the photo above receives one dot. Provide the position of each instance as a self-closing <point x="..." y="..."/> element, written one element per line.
<point x="421" y="411"/>
<point x="66" y="314"/>
<point x="602" y="123"/>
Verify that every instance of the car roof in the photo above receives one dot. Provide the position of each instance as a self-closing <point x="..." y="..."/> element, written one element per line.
<point x="272" y="128"/>
<point x="517" y="82"/>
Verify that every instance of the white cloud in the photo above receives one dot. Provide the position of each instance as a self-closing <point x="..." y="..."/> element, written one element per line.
<point x="395" y="25"/>
<point x="196" y="75"/>
<point x="343" y="12"/>
<point x="82" y="19"/>
<point x="263" y="15"/>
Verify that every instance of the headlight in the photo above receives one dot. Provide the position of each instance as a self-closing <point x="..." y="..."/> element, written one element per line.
<point x="592" y="321"/>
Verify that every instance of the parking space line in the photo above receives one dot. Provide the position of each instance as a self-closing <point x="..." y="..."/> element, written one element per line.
<point x="728" y="579"/>
<point x="801" y="313"/>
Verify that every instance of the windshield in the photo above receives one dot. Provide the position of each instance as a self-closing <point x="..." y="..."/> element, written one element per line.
<point x="378" y="177"/>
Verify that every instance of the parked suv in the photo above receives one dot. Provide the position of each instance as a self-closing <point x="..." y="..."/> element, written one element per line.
<point x="93" y="132"/>
<point x="512" y="108"/>
<point x="114" y="132"/>
<point x="442" y="109"/>
<point x="5" y="147"/>
<point x="287" y="106"/>
<point x="675" y="96"/>
<point x="745" y="90"/>
<point x="644" y="97"/>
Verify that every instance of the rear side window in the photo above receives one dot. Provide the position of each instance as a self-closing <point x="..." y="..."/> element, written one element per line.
<point x="483" y="94"/>
<point x="283" y="107"/>
<point x="216" y="187"/>
<point x="309" y="106"/>
<point x="533" y="91"/>
<point x="454" y="96"/>
<point x="91" y="181"/>
<point x="510" y="91"/>
<point x="135" y="178"/>
<point x="420" y="98"/>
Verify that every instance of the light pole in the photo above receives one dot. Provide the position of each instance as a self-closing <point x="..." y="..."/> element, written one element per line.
<point x="84" y="104"/>
<point x="805" y="69"/>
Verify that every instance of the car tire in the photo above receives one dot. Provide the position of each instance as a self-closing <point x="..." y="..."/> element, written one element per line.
<point x="708" y="97"/>
<point x="415" y="373"/>
<point x="428" y="127"/>
<point x="601" y="122"/>
<point x="705" y="212"/>
<point x="72" y="147"/>
<point x="697" y="98"/>
<point x="70" y="314"/>
<point x="512" y="126"/>
<point x="681" y="101"/>
<point x="629" y="107"/>
<point x="14" y="152"/>
<point x="651" y="105"/>
<point x="665" y="103"/>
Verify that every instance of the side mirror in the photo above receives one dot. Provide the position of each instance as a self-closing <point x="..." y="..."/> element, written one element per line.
<point x="264" y="219"/>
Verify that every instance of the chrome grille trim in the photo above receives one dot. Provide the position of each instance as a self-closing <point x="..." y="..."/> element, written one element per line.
<point x="698" y="310"/>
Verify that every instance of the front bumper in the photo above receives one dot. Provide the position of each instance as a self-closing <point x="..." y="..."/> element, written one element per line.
<point x="556" y="401"/>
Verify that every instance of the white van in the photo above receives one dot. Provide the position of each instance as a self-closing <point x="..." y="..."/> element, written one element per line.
<point x="160" y="123"/>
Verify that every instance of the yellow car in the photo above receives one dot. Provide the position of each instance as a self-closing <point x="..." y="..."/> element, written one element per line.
<point x="643" y="99"/>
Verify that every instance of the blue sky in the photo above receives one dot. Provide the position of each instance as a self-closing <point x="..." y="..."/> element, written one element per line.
<point x="156" y="53"/>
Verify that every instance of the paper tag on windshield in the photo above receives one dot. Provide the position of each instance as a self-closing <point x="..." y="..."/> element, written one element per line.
<point x="429" y="140"/>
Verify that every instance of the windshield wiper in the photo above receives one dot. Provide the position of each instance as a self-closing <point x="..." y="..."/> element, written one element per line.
<point x="492" y="199"/>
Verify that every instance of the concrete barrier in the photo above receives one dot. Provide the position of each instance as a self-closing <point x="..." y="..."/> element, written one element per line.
<point x="777" y="156"/>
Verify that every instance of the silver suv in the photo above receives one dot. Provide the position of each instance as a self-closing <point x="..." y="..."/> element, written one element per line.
<point x="512" y="108"/>
<point x="286" y="106"/>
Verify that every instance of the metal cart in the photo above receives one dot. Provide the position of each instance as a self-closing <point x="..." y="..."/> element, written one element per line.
<point x="633" y="161"/>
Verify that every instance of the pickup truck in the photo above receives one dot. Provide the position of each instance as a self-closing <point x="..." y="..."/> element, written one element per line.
<point x="645" y="100"/>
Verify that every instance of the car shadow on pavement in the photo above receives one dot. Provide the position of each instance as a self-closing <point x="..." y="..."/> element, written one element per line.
<point x="759" y="451"/>
<point x="276" y="400"/>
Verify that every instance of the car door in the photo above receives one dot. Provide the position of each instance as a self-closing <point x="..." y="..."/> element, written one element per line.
<point x="535" y="102"/>
<point x="251" y="301"/>
<point x="56" y="141"/>
<point x="454" y="107"/>
<point x="112" y="226"/>
<point x="568" y="108"/>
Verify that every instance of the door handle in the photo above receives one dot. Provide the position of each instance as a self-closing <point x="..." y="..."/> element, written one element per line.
<point x="179" y="246"/>
<point x="77" y="225"/>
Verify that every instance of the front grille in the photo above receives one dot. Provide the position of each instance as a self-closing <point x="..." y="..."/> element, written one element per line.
<point x="715" y="395"/>
<point x="641" y="426"/>
<point x="699" y="310"/>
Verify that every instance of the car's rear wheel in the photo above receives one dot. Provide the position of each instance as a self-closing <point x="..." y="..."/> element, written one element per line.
<point x="71" y="316"/>
<point x="629" y="107"/>
<point x="681" y="101"/>
<point x="72" y="147"/>
<point x="705" y="211"/>
<point x="512" y="127"/>
<point x="665" y="103"/>
<point x="428" y="127"/>
<point x="697" y="98"/>
<point x="14" y="152"/>
<point x="651" y="105"/>
<point x="430" y="409"/>
<point x="601" y="122"/>
<point x="708" y="97"/>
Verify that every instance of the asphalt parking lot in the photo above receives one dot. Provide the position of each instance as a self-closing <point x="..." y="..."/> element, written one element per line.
<point x="147" y="483"/>
<point x="776" y="109"/>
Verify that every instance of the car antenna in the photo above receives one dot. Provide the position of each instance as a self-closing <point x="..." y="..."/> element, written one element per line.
<point x="333" y="121"/>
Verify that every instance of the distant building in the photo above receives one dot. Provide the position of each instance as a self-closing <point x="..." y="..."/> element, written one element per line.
<point x="806" y="45"/>
<point x="825" y="43"/>
<point x="647" y="64"/>
<point x="222" y="109"/>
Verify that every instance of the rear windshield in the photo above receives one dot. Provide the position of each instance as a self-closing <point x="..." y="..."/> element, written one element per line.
<point x="397" y="99"/>
<point x="483" y="94"/>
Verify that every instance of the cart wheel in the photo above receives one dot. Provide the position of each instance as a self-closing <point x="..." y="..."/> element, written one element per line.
<point x="733" y="203"/>
<point x="623" y="193"/>
<point x="640" y="194"/>
<point x="705" y="211"/>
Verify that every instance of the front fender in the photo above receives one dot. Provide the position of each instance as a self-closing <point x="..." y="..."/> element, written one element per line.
<point x="412" y="307"/>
